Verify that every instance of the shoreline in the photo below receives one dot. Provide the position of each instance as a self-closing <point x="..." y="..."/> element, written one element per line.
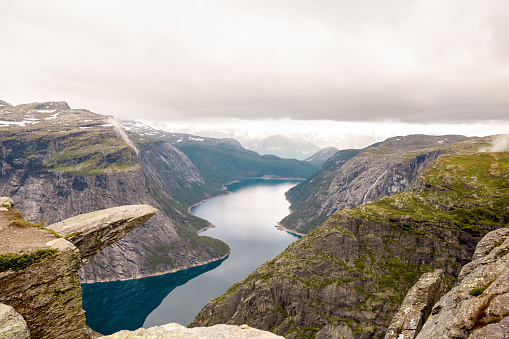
<point x="165" y="272"/>
<point x="280" y="227"/>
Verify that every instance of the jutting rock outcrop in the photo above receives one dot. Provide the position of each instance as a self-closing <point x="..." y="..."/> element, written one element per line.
<point x="39" y="271"/>
<point x="347" y="277"/>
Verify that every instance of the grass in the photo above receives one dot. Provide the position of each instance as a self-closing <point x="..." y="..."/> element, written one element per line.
<point x="17" y="262"/>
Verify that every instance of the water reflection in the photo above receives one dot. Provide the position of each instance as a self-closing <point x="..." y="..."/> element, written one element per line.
<point x="124" y="305"/>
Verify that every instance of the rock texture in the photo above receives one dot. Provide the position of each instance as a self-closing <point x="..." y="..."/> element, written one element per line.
<point x="92" y="232"/>
<point x="47" y="293"/>
<point x="347" y="180"/>
<point x="57" y="162"/>
<point x="479" y="306"/>
<point x="174" y="330"/>
<point x="12" y="324"/>
<point x="348" y="276"/>
<point x="417" y="306"/>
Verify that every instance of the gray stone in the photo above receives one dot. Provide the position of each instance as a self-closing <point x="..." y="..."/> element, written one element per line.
<point x="417" y="306"/>
<point x="92" y="232"/>
<point x="174" y="330"/>
<point x="12" y="324"/>
<point x="477" y="307"/>
<point x="6" y="203"/>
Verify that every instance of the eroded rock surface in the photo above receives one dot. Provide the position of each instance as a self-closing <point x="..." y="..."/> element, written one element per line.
<point x="174" y="330"/>
<point x="417" y="306"/>
<point x="479" y="306"/>
<point x="92" y="232"/>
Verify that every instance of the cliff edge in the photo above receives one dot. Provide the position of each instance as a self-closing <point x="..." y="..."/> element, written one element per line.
<point x="39" y="267"/>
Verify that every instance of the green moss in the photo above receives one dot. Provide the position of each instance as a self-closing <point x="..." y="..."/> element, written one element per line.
<point x="17" y="262"/>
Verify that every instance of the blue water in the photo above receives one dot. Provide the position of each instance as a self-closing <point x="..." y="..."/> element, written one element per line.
<point x="244" y="219"/>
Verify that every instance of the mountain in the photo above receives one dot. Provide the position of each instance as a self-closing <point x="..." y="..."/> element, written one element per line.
<point x="347" y="277"/>
<point x="57" y="162"/>
<point x="346" y="181"/>
<point x="320" y="157"/>
<point x="221" y="161"/>
<point x="282" y="146"/>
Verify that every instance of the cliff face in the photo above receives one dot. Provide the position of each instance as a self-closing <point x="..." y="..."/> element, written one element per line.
<point x="347" y="277"/>
<point x="41" y="281"/>
<point x="56" y="162"/>
<point x="478" y="307"/>
<point x="347" y="180"/>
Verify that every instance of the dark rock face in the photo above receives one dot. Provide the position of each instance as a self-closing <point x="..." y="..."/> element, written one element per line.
<point x="347" y="277"/>
<point x="378" y="171"/>
<point x="57" y="162"/>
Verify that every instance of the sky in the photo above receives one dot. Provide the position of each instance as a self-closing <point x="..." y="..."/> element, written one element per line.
<point x="414" y="65"/>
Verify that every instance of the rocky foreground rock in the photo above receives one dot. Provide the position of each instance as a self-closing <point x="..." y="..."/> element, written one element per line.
<point x="173" y="330"/>
<point x="43" y="286"/>
<point x="477" y="308"/>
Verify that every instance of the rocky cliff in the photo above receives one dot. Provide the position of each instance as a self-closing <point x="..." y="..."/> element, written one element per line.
<point x="57" y="162"/>
<point x="349" y="179"/>
<point x="39" y="268"/>
<point x="347" y="277"/>
<point x="478" y="307"/>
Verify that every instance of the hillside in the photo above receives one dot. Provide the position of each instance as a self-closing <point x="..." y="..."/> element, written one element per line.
<point x="57" y="162"/>
<point x="348" y="179"/>
<point x="221" y="161"/>
<point x="320" y="157"/>
<point x="347" y="277"/>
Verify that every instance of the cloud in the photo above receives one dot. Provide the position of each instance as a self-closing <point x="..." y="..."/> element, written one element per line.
<point x="412" y="61"/>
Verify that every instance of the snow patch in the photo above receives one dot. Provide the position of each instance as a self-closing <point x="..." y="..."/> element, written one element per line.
<point x="17" y="123"/>
<point x="46" y="110"/>
<point x="51" y="117"/>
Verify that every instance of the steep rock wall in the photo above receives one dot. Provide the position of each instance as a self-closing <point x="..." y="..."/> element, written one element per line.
<point x="378" y="171"/>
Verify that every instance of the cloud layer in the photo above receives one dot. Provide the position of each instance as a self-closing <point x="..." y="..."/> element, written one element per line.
<point x="366" y="60"/>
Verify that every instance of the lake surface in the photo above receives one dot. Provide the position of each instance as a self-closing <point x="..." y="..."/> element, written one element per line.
<point x="244" y="219"/>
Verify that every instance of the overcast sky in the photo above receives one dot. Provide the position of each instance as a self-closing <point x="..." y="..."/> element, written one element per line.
<point x="418" y="61"/>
